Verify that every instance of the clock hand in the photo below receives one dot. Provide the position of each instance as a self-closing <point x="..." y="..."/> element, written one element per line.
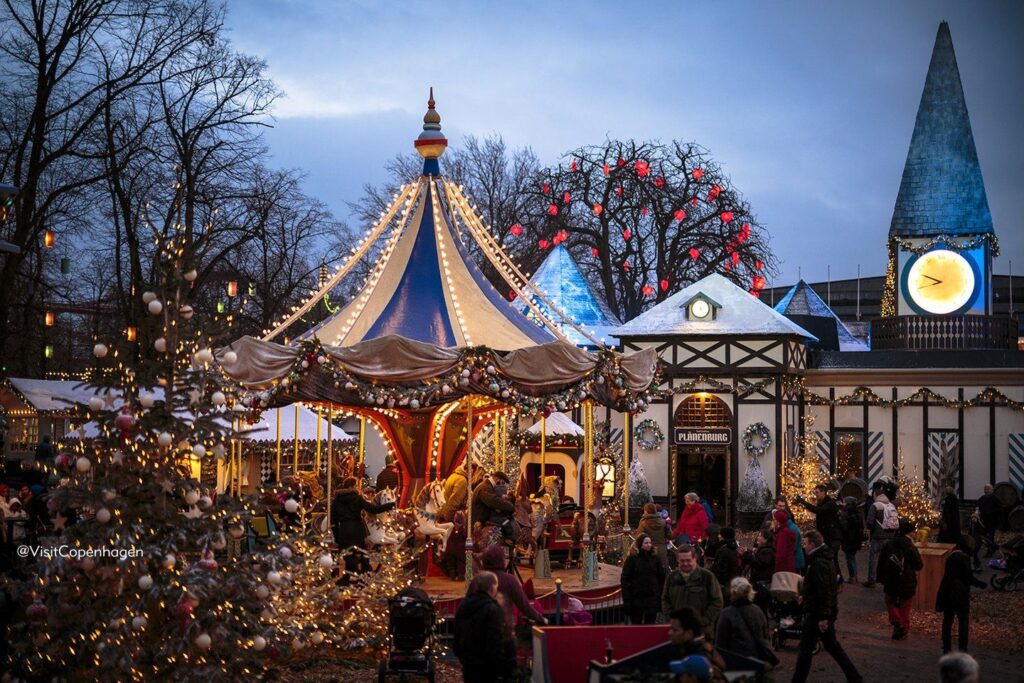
<point x="935" y="280"/>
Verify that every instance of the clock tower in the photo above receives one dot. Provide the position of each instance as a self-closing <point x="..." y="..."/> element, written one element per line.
<point x="941" y="239"/>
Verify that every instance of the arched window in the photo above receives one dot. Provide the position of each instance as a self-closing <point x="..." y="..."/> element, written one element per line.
<point x="703" y="411"/>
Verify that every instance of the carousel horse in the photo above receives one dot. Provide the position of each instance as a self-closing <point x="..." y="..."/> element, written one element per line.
<point x="550" y="499"/>
<point x="428" y="503"/>
<point x="379" y="525"/>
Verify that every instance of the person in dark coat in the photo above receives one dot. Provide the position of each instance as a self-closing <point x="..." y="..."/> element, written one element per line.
<point x="44" y="451"/>
<point x="390" y="477"/>
<point x="642" y="579"/>
<point x="742" y="627"/>
<point x="949" y="523"/>
<point x="988" y="520"/>
<point x="348" y="525"/>
<point x="760" y="564"/>
<point x="826" y="520"/>
<point x="821" y="607"/>
<point x="481" y="641"/>
<point x="854" y="531"/>
<point x="489" y="507"/>
<point x="727" y="561"/>
<point x="898" y="566"/>
<point x="954" y="598"/>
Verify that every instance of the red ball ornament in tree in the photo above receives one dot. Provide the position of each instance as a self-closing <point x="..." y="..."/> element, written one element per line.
<point x="755" y="294"/>
<point x="618" y="190"/>
<point x="741" y="238"/>
<point x="714" y="192"/>
<point x="552" y="209"/>
<point x="621" y="161"/>
<point x="125" y="420"/>
<point x="543" y="244"/>
<point x="565" y="198"/>
<point x="726" y="216"/>
<point x="545" y="188"/>
<point x="735" y="258"/>
<point x="664" y="285"/>
<point x="745" y="228"/>
<point x="648" y="290"/>
<point x="643" y="210"/>
<point x="607" y="169"/>
<point x="642" y="168"/>
<point x="595" y="252"/>
<point x="680" y="215"/>
<point x="572" y="165"/>
<point x="625" y="266"/>
<point x="659" y="182"/>
<point x="626" y="234"/>
<point x="511" y="295"/>
<point x="759" y="282"/>
<point x="758" y="265"/>
<point x="694" y="253"/>
<point x="693" y="202"/>
<point x="598" y="209"/>
<point x="516" y="230"/>
<point x="697" y="173"/>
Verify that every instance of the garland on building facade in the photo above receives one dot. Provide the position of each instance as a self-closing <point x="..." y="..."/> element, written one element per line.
<point x="795" y="385"/>
<point x="717" y="387"/>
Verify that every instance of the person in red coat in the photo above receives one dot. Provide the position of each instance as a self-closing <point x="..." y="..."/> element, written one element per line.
<point x="785" y="543"/>
<point x="693" y="522"/>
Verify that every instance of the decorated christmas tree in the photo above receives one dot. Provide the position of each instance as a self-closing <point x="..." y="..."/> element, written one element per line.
<point x="754" y="494"/>
<point x="639" y="489"/>
<point x="914" y="501"/>
<point x="802" y="472"/>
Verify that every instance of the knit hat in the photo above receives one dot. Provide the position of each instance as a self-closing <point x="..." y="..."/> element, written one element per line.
<point x="780" y="516"/>
<point x="494" y="558"/>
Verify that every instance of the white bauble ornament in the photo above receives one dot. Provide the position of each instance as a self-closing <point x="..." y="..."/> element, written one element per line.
<point x="187" y="312"/>
<point x="285" y="552"/>
<point x="218" y="398"/>
<point x="169" y="561"/>
<point x="258" y="643"/>
<point x="218" y="542"/>
<point x="297" y="644"/>
<point x="87" y="564"/>
<point x="274" y="577"/>
<point x="205" y="502"/>
<point x="291" y="505"/>
<point x="192" y="497"/>
<point x="203" y="641"/>
<point x="230" y="358"/>
<point x="219" y="450"/>
<point x="100" y="350"/>
<point x="83" y="464"/>
<point x="109" y="495"/>
<point x="191" y="275"/>
<point x="148" y="297"/>
<point x="317" y="637"/>
<point x="147" y="400"/>
<point x="103" y="515"/>
<point x="262" y="592"/>
<point x="155" y="307"/>
<point x="160" y="345"/>
<point x="199" y="450"/>
<point x="326" y="561"/>
<point x="236" y="531"/>
<point x="145" y="582"/>
<point x="139" y="623"/>
<point x="164" y="439"/>
<point x="95" y="404"/>
<point x="204" y="355"/>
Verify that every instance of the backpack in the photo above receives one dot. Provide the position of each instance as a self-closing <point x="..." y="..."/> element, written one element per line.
<point x="890" y="520"/>
<point x="707" y="510"/>
<point x="893" y="566"/>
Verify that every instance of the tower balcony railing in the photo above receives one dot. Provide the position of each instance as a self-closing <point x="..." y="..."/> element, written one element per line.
<point x="944" y="332"/>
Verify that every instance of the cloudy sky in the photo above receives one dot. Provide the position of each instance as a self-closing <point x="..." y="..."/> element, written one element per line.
<point x="808" y="105"/>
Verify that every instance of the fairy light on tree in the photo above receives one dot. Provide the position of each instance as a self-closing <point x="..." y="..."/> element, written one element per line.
<point x="802" y="472"/>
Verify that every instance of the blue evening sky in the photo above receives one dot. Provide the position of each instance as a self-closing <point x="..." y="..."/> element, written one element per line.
<point x="808" y="105"/>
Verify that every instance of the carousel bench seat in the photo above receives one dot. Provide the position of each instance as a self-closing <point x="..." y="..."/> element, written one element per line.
<point x="578" y="645"/>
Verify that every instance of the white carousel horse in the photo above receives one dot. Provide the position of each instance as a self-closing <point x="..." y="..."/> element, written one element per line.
<point x="428" y="503"/>
<point x="378" y="525"/>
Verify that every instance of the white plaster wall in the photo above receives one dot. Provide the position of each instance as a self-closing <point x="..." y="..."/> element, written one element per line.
<point x="748" y="415"/>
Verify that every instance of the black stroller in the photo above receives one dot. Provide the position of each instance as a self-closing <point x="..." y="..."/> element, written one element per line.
<point x="411" y="621"/>
<point x="1013" y="566"/>
<point x="785" y="610"/>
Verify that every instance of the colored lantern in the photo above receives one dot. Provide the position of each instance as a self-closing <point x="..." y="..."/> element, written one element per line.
<point x="694" y="253"/>
<point x="759" y="282"/>
<point x="131" y="333"/>
<point x="511" y="295"/>
<point x="598" y="209"/>
<point x="565" y="198"/>
<point x="697" y="173"/>
<point x="621" y="162"/>
<point x="49" y="239"/>
<point x="607" y="169"/>
<point x="604" y="474"/>
<point x="626" y="234"/>
<point x="232" y="287"/>
<point x="572" y="165"/>
<point x="625" y="266"/>
<point x="642" y="168"/>
<point x="543" y="244"/>
<point x="516" y="230"/>
<point x="648" y="290"/>
<point x="726" y="216"/>
<point x="693" y="202"/>
<point x="643" y="210"/>
<point x="659" y="182"/>
<point x="49" y="318"/>
<point x="755" y="294"/>
<point x="545" y="188"/>
<point x="758" y="265"/>
<point x="664" y="285"/>
<point x="220" y="306"/>
<point x="618" y="190"/>
<point x="735" y="258"/>
<point x="48" y="351"/>
<point x="595" y="252"/>
<point x="680" y="215"/>
<point x="552" y="209"/>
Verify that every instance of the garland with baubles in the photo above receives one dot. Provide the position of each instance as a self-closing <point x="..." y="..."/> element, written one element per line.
<point x="950" y="242"/>
<point x="988" y="395"/>
<point x="476" y="371"/>
<point x="648" y="435"/>
<point x="758" y="431"/>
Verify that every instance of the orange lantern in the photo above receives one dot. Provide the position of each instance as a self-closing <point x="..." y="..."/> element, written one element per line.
<point x="232" y="288"/>
<point x="49" y="239"/>
<point x="49" y="318"/>
<point x="131" y="333"/>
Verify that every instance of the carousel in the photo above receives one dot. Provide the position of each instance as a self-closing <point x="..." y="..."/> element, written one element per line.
<point x="432" y="357"/>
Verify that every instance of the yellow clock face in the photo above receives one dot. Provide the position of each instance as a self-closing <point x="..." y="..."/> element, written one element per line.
<point x="940" y="282"/>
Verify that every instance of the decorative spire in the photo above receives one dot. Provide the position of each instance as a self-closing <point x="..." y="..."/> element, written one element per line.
<point x="431" y="143"/>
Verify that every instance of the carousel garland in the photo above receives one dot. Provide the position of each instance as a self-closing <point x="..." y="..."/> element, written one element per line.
<point x="640" y="435"/>
<point x="795" y="385"/>
<point x="475" y="366"/>
<point x="757" y="430"/>
<point x="531" y="440"/>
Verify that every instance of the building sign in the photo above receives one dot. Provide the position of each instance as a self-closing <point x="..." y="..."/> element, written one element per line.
<point x="687" y="436"/>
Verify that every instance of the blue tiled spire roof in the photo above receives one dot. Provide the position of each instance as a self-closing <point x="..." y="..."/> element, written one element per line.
<point x="942" y="191"/>
<point x="802" y="300"/>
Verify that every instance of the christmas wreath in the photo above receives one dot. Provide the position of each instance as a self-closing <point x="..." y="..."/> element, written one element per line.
<point x="760" y="432"/>
<point x="648" y="434"/>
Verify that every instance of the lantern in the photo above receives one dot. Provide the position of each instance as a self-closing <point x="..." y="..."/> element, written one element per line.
<point x="49" y="318"/>
<point x="220" y="306"/>
<point x="65" y="265"/>
<point x="48" y="351"/>
<point x="232" y="288"/>
<point x="131" y="333"/>
<point x="49" y="239"/>
<point x="604" y="472"/>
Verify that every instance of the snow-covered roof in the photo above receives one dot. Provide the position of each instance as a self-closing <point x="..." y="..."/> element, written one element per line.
<point x="741" y="314"/>
<point x="52" y="394"/>
<point x="557" y="424"/>
<point x="803" y="300"/>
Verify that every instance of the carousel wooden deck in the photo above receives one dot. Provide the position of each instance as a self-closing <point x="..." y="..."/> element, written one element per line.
<point x="443" y="589"/>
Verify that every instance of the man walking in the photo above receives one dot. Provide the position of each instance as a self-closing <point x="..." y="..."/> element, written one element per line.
<point x="826" y="520"/>
<point x="897" y="568"/>
<point x="820" y="611"/>
<point x="883" y="522"/>
<point x="691" y="586"/>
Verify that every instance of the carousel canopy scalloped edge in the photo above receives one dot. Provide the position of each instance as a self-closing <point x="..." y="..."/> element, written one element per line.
<point x="402" y="374"/>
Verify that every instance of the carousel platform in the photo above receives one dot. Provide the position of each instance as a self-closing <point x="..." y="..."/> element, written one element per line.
<point x="604" y="592"/>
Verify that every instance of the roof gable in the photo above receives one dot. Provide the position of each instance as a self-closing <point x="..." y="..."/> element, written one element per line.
<point x="801" y="299"/>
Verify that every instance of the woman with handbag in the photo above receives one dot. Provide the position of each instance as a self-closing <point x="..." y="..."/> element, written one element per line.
<point x="742" y="627"/>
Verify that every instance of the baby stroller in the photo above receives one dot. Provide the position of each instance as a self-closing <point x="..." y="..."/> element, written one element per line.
<point x="411" y="621"/>
<point x="1013" y="564"/>
<point x="785" y="609"/>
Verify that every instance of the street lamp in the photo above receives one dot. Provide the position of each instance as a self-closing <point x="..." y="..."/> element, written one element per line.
<point x="7" y="195"/>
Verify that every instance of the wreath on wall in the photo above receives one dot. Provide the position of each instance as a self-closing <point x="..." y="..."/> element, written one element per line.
<point x="648" y="435"/>
<point x="757" y="439"/>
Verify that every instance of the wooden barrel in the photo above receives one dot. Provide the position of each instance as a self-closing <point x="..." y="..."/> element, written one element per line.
<point x="1016" y="519"/>
<point x="1006" y="494"/>
<point x="858" y="488"/>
